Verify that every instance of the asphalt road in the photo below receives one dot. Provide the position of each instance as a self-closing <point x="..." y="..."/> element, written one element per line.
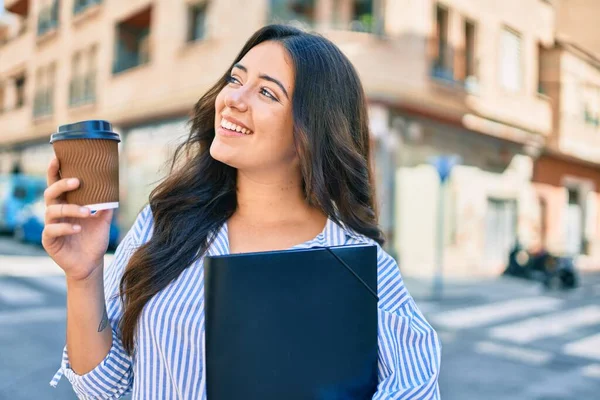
<point x="502" y="338"/>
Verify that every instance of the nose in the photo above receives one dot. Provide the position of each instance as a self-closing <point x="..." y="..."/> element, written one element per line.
<point x="236" y="98"/>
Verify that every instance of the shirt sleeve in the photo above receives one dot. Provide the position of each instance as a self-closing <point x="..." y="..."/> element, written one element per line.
<point x="113" y="377"/>
<point x="409" y="353"/>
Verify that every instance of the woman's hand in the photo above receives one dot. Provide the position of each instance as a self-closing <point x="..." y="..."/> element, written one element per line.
<point x="75" y="239"/>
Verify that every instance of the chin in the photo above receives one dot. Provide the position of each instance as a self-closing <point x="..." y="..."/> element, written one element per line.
<point x="222" y="152"/>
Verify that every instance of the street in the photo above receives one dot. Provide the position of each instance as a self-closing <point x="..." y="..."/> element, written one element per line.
<point x="510" y="339"/>
<point x="502" y="338"/>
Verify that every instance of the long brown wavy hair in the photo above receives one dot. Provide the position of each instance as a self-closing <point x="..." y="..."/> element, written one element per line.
<point x="331" y="136"/>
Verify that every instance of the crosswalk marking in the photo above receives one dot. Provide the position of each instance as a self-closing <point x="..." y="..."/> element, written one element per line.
<point x="527" y="356"/>
<point x="591" y="371"/>
<point x="552" y="325"/>
<point x="588" y="347"/>
<point x="473" y="317"/>
<point x="32" y="315"/>
<point x="17" y="294"/>
<point x="56" y="284"/>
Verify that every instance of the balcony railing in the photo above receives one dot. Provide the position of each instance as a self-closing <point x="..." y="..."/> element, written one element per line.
<point x="450" y="65"/>
<point x="80" y="6"/>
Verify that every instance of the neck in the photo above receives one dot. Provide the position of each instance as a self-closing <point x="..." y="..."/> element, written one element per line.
<point x="271" y="198"/>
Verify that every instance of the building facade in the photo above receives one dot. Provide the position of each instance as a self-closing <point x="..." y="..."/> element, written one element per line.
<point x="567" y="175"/>
<point x="451" y="77"/>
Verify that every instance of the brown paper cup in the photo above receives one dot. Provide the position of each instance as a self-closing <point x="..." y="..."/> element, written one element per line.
<point x="89" y="156"/>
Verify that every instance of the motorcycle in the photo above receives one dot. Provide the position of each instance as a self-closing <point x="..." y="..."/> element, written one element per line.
<point x="551" y="270"/>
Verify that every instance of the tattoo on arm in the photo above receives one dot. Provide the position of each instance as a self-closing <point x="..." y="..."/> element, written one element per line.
<point x="104" y="321"/>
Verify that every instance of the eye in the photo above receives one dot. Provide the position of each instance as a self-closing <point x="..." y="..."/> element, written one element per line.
<point x="268" y="94"/>
<point x="232" y="79"/>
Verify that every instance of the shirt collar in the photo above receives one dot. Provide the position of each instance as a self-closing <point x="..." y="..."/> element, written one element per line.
<point x="334" y="234"/>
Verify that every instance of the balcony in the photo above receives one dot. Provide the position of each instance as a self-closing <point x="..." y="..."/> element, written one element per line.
<point x="20" y="7"/>
<point x="16" y="52"/>
<point x="579" y="135"/>
<point x="451" y="67"/>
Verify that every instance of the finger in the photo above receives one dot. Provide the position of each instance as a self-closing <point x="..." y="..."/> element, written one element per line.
<point x="53" y="231"/>
<point x="54" y="191"/>
<point x="57" y="211"/>
<point x="53" y="175"/>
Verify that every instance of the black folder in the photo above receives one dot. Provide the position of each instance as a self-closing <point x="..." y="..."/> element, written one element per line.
<point x="295" y="324"/>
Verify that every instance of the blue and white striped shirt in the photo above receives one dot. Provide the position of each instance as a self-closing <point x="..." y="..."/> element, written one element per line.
<point x="169" y="362"/>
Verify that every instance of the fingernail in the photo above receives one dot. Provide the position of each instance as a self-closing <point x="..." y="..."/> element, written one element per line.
<point x="76" y="227"/>
<point x="72" y="182"/>
<point x="83" y="210"/>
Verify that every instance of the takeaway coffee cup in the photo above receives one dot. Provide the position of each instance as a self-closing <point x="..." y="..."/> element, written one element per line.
<point x="88" y="150"/>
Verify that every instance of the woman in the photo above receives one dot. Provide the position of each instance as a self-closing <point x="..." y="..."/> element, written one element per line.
<point x="277" y="157"/>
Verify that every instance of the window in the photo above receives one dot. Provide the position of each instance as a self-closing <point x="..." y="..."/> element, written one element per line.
<point x="510" y="60"/>
<point x="43" y="103"/>
<point x="83" y="77"/>
<point x="296" y="12"/>
<point x="75" y="87"/>
<point x="196" y="22"/>
<point x="540" y="54"/>
<point x="363" y="17"/>
<point x="592" y="107"/>
<point x="470" y="49"/>
<point x="132" y="41"/>
<point x="20" y="87"/>
<point x="48" y="17"/>
<point x="574" y="222"/>
<point x="89" y="87"/>
<point x="443" y="57"/>
<point x="80" y="6"/>
<point x="2" y="105"/>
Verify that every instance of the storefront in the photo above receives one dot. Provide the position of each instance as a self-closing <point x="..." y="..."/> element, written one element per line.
<point x="489" y="202"/>
<point x="569" y="194"/>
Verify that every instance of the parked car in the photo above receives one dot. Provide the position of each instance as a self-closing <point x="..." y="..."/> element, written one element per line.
<point x="17" y="191"/>
<point x="30" y="224"/>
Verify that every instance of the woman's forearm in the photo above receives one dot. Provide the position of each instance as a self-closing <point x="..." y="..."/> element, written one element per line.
<point x="89" y="334"/>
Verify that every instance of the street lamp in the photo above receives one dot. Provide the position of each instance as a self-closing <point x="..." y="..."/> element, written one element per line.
<point x="443" y="165"/>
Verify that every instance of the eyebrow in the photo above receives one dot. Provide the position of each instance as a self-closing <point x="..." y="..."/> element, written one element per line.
<point x="267" y="78"/>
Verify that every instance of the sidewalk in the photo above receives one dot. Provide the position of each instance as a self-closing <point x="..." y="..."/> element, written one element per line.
<point x="33" y="265"/>
<point x="470" y="291"/>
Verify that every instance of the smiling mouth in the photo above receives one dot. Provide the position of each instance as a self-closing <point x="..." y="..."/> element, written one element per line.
<point x="234" y="128"/>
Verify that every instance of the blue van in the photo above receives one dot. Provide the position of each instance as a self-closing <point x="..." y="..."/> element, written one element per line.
<point x="17" y="191"/>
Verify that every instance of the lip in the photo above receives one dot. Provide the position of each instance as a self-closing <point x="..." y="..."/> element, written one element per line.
<point x="226" y="132"/>
<point x="237" y="122"/>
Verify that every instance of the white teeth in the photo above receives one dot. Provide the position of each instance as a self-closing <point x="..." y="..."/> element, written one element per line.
<point x="233" y="127"/>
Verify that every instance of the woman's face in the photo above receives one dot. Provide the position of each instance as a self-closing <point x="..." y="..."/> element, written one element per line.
<point x="253" y="119"/>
